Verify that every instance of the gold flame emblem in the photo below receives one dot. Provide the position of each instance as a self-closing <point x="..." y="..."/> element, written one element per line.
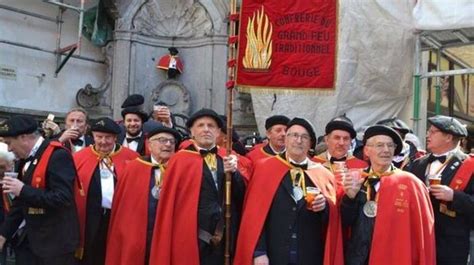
<point x="258" y="53"/>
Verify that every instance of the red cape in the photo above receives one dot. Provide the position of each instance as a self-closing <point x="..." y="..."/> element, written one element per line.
<point x="259" y="197"/>
<point x="126" y="242"/>
<point x="404" y="209"/>
<point x="86" y="162"/>
<point x="257" y="153"/>
<point x="164" y="63"/>
<point x="175" y="238"/>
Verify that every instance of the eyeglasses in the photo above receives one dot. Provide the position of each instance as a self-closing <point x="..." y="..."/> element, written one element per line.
<point x="163" y="140"/>
<point x="380" y="146"/>
<point x="432" y="131"/>
<point x="304" y="137"/>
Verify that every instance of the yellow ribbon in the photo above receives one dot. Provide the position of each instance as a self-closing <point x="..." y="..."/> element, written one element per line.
<point x="211" y="161"/>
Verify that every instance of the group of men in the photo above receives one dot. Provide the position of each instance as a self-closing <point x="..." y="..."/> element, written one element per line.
<point x="126" y="195"/>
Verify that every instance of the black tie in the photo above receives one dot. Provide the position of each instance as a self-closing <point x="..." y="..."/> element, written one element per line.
<point x="133" y="139"/>
<point x="76" y="142"/>
<point x="333" y="159"/>
<point x="204" y="152"/>
<point x="302" y="166"/>
<point x="433" y="158"/>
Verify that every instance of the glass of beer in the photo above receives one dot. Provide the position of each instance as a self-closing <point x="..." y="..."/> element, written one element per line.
<point x="434" y="179"/>
<point x="340" y="170"/>
<point x="11" y="175"/>
<point x="311" y="193"/>
<point x="355" y="174"/>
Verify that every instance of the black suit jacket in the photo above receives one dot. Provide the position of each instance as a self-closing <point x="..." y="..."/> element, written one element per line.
<point x="56" y="231"/>
<point x="210" y="210"/>
<point x="452" y="234"/>
<point x="283" y="216"/>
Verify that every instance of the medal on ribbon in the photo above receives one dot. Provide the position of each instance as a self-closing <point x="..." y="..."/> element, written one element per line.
<point x="370" y="209"/>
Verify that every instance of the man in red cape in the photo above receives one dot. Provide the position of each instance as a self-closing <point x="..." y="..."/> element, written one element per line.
<point x="339" y="135"/>
<point x="276" y="131"/>
<point x="278" y="227"/>
<point x="98" y="167"/>
<point x="136" y="199"/>
<point x="389" y="212"/>
<point x="189" y="224"/>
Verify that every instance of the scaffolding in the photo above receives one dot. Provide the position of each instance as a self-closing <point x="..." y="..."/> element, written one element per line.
<point x="73" y="50"/>
<point x="439" y="42"/>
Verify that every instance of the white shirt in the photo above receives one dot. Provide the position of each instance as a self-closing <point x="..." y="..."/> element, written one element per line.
<point x="132" y="145"/>
<point x="436" y="167"/>
<point x="33" y="153"/>
<point x="79" y="147"/>
<point x="106" y="184"/>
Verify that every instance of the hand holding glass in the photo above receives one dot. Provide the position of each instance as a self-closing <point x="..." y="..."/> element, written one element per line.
<point x="311" y="193"/>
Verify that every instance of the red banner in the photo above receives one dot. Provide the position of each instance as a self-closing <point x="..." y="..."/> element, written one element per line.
<point x="288" y="44"/>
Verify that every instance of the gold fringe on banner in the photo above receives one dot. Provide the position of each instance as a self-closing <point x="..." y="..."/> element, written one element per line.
<point x="286" y="91"/>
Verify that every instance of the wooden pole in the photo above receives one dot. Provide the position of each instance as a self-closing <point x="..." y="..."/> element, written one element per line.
<point x="231" y="70"/>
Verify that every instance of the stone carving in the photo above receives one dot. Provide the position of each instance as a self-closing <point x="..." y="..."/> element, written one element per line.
<point x="174" y="94"/>
<point x="172" y="18"/>
<point x="89" y="96"/>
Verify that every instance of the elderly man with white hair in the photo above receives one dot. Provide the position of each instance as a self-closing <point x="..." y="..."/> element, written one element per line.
<point x="6" y="165"/>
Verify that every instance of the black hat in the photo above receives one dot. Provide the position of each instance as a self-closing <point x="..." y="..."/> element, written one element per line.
<point x="204" y="113"/>
<point x="396" y="124"/>
<point x="135" y="110"/>
<point x="173" y="50"/>
<point x="341" y="123"/>
<point x="133" y="101"/>
<point x="307" y="125"/>
<point x="106" y="125"/>
<point x="384" y="130"/>
<point x="163" y="129"/>
<point x="18" y="125"/>
<point x="276" y="119"/>
<point x="448" y="125"/>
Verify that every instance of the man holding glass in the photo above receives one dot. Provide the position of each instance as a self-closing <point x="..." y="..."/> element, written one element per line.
<point x="290" y="204"/>
<point x="136" y="200"/>
<point x="452" y="193"/>
<point x="75" y="136"/>
<point x="43" y="194"/>
<point x="387" y="209"/>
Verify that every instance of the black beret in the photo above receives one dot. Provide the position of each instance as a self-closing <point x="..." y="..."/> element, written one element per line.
<point x="276" y="119"/>
<point x="18" y="125"/>
<point x="106" y="125"/>
<point x="163" y="129"/>
<point x="448" y="125"/>
<point x="133" y="101"/>
<point x="204" y="113"/>
<point x="307" y="125"/>
<point x="384" y="130"/>
<point x="396" y="124"/>
<point x="137" y="111"/>
<point x="341" y="123"/>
